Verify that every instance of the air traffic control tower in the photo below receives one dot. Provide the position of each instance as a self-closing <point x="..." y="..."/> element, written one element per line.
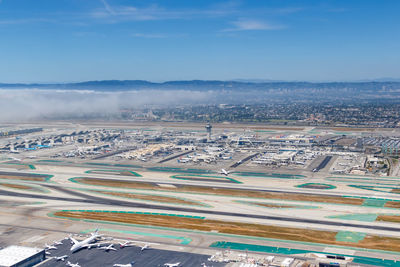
<point x="208" y="129"/>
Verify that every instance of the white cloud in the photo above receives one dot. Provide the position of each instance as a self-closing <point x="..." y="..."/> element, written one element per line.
<point x="253" y="25"/>
<point x="133" y="13"/>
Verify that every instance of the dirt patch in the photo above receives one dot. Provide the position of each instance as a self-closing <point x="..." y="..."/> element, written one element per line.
<point x="388" y="218"/>
<point x="350" y="129"/>
<point x="163" y="199"/>
<point x="17" y="186"/>
<point x="23" y="178"/>
<point x="381" y="243"/>
<point x="396" y="190"/>
<point x="222" y="191"/>
<point x="247" y="229"/>
<point x="392" y="204"/>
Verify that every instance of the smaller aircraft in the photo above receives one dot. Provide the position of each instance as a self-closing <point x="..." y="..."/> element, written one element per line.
<point x="172" y="264"/>
<point x="224" y="172"/>
<point x="56" y="243"/>
<point x="50" y="247"/>
<point x="125" y="265"/>
<point x="107" y="248"/>
<point x="73" y="264"/>
<point x="126" y="244"/>
<point x="14" y="158"/>
<point x="61" y="258"/>
<point x="146" y="246"/>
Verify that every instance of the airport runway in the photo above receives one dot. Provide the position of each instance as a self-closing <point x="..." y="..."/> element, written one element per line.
<point x="84" y="198"/>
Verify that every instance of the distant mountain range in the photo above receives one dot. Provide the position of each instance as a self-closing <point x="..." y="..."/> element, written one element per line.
<point x="203" y="85"/>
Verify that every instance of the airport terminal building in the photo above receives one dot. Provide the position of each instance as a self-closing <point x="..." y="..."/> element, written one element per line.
<point x="17" y="256"/>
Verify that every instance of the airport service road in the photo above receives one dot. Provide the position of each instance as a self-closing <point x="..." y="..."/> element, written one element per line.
<point x="88" y="199"/>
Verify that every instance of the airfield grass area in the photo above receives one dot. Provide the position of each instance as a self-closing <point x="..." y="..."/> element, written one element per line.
<point x="220" y="191"/>
<point x="236" y="228"/>
<point x="163" y="199"/>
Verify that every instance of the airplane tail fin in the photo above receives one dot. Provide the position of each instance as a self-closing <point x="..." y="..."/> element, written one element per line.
<point x="96" y="232"/>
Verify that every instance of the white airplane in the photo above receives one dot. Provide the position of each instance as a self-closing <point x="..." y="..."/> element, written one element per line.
<point x="107" y="248"/>
<point x="126" y="244"/>
<point x="85" y="243"/>
<point x="73" y="264"/>
<point x="49" y="247"/>
<point x="14" y="158"/>
<point x="56" y="243"/>
<point x="172" y="264"/>
<point x="61" y="258"/>
<point x="125" y="265"/>
<point x="224" y="172"/>
<point x="146" y="246"/>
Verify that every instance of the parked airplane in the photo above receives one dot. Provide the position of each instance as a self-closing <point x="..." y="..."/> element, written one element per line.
<point x="126" y="244"/>
<point x="85" y="243"/>
<point x="49" y="247"/>
<point x="146" y="246"/>
<point x="56" y="243"/>
<point x="172" y="264"/>
<point x="61" y="258"/>
<point x="14" y="158"/>
<point x="73" y="264"/>
<point x="224" y="172"/>
<point x="107" y="248"/>
<point x="125" y="265"/>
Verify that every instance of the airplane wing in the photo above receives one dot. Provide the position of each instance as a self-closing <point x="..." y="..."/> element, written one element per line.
<point x="73" y="240"/>
<point x="92" y="245"/>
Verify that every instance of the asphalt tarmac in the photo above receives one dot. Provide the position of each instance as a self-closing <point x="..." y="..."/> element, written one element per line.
<point x="151" y="257"/>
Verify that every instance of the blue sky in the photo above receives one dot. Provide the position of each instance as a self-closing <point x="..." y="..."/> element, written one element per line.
<point x="77" y="40"/>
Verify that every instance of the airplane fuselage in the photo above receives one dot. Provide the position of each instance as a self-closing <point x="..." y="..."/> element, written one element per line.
<point x="83" y="243"/>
